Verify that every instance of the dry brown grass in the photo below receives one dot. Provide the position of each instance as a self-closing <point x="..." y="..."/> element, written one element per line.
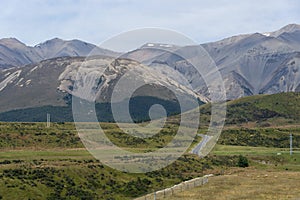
<point x="247" y="184"/>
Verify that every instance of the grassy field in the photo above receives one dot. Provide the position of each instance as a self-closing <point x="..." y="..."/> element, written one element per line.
<point x="72" y="173"/>
<point x="252" y="151"/>
<point x="247" y="184"/>
<point x="50" y="163"/>
<point x="273" y="174"/>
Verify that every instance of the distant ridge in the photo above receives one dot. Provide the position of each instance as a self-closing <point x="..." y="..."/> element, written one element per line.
<point x="14" y="53"/>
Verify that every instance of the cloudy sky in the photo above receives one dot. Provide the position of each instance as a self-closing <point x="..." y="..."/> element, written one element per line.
<point x="34" y="21"/>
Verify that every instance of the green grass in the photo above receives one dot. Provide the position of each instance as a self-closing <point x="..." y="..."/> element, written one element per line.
<point x="246" y="150"/>
<point x="50" y="154"/>
<point x="265" y="110"/>
<point x="262" y="157"/>
<point x="253" y="152"/>
<point x="262" y="110"/>
<point x="278" y="137"/>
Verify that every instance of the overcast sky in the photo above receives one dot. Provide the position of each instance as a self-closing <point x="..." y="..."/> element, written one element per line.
<point x="34" y="21"/>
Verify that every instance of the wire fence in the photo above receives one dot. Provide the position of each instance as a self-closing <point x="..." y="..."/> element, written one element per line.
<point x="161" y="194"/>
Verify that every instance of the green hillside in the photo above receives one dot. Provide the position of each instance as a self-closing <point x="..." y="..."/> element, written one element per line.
<point x="263" y="110"/>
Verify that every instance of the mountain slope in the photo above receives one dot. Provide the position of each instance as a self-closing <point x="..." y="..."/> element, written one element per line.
<point x="280" y="109"/>
<point x="250" y="64"/>
<point x="52" y="83"/>
<point x="60" y="48"/>
<point x="261" y="59"/>
<point x="15" y="53"/>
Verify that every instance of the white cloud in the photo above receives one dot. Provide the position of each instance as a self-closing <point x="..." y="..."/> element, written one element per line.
<point x="34" y="21"/>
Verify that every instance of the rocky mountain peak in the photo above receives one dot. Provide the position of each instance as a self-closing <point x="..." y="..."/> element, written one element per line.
<point x="286" y="29"/>
<point x="12" y="42"/>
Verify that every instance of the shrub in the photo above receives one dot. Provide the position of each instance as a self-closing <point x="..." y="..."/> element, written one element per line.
<point x="243" y="161"/>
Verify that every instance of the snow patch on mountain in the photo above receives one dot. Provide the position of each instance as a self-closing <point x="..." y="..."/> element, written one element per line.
<point x="267" y="34"/>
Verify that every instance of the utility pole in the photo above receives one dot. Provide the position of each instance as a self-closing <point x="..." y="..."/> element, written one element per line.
<point x="291" y="144"/>
<point x="48" y="120"/>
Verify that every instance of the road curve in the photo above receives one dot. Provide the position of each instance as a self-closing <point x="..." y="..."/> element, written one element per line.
<point x="201" y="144"/>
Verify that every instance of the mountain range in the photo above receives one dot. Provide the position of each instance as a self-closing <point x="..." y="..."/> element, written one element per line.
<point x="14" y="53"/>
<point x="43" y="76"/>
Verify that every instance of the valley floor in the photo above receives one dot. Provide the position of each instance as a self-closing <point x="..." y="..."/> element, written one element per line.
<point x="51" y="163"/>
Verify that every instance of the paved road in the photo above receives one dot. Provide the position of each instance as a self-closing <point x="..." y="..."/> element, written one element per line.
<point x="200" y="145"/>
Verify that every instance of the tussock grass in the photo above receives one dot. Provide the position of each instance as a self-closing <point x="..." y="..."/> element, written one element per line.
<point x="249" y="184"/>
